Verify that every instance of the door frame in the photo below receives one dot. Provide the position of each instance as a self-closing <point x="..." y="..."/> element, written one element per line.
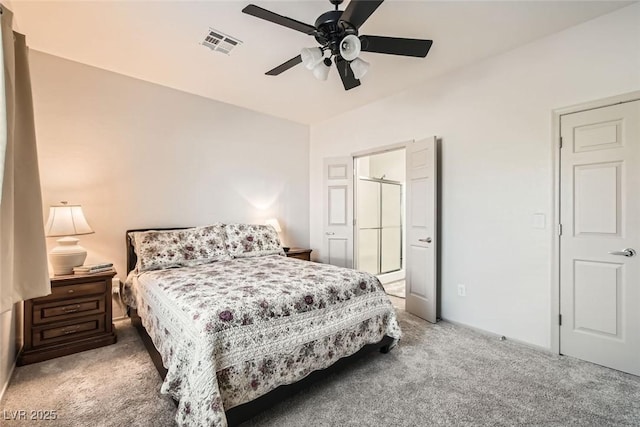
<point x="354" y="157"/>
<point x="556" y="114"/>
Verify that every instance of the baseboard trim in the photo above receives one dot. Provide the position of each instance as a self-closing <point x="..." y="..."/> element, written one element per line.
<point x="497" y="336"/>
<point x="5" y="386"/>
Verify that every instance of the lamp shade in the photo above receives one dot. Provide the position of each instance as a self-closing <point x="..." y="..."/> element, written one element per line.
<point x="321" y="71"/>
<point x="274" y="223"/>
<point x="311" y="56"/>
<point x="350" y="47"/>
<point x="66" y="220"/>
<point x="359" y="68"/>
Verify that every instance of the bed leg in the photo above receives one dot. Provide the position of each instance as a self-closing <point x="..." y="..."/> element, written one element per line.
<point x="385" y="349"/>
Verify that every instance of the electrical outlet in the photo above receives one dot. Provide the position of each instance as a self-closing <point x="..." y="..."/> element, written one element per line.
<point x="462" y="290"/>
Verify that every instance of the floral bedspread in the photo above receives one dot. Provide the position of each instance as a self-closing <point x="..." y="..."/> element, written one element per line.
<point x="231" y="331"/>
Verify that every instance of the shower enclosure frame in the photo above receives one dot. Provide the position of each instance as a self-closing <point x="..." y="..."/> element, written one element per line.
<point x="380" y="228"/>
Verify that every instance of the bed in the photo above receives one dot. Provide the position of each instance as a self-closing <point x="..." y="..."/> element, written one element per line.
<point x="235" y="335"/>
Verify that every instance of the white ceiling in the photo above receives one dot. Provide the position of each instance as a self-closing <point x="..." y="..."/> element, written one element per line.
<point x="160" y="42"/>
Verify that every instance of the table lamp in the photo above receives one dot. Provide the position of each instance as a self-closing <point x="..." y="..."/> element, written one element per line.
<point x="275" y="224"/>
<point x="66" y="220"/>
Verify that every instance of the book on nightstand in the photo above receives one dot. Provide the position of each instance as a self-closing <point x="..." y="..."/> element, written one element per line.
<point x="93" y="268"/>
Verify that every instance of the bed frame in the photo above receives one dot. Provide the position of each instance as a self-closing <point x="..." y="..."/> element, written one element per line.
<point x="246" y="411"/>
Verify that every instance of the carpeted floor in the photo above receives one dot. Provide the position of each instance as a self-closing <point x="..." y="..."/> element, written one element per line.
<point x="439" y="375"/>
<point x="116" y="386"/>
<point x="395" y="288"/>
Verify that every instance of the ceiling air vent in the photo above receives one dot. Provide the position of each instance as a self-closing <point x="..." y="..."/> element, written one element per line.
<point x="220" y="42"/>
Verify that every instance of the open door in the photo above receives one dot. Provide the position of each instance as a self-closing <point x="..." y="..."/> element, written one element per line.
<point x="338" y="212"/>
<point x="421" y="215"/>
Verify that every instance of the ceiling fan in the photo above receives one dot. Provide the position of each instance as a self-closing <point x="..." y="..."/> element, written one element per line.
<point x="337" y="33"/>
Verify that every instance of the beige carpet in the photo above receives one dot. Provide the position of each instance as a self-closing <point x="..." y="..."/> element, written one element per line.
<point x="116" y="385"/>
<point x="397" y="289"/>
<point x="439" y="375"/>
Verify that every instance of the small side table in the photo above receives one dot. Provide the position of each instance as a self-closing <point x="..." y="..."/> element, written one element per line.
<point x="299" y="253"/>
<point x="76" y="316"/>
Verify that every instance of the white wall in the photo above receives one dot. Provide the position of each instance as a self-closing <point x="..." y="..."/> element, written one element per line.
<point x="495" y="122"/>
<point x="10" y="342"/>
<point x="7" y="347"/>
<point x="136" y="154"/>
<point x="363" y="167"/>
<point x="390" y="164"/>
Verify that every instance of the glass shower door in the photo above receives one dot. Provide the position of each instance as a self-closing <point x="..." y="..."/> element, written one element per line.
<point x="391" y="227"/>
<point x="368" y="226"/>
<point x="379" y="226"/>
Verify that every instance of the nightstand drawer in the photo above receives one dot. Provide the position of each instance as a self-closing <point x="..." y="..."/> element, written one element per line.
<point x="76" y="290"/>
<point x="68" y="330"/>
<point x="68" y="309"/>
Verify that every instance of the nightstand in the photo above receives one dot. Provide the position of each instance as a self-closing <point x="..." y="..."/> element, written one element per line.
<point x="299" y="253"/>
<point x="76" y="316"/>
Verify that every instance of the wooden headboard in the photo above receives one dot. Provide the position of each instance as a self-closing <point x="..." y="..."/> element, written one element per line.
<point x="132" y="258"/>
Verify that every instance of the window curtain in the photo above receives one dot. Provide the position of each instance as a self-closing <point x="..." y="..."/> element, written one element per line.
<point x="23" y="254"/>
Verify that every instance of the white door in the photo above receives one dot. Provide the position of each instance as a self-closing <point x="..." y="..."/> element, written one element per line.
<point x="338" y="212"/>
<point x="421" y="195"/>
<point x="600" y="232"/>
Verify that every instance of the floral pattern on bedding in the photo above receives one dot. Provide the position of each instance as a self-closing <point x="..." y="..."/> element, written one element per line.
<point x="180" y="248"/>
<point x="202" y="245"/>
<point x="252" y="240"/>
<point x="232" y="331"/>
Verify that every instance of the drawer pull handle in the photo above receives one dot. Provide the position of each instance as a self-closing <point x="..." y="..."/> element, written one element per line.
<point x="70" y="330"/>
<point x="71" y="291"/>
<point x="71" y="308"/>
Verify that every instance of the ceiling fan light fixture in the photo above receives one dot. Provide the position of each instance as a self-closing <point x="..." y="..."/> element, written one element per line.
<point x="337" y="31"/>
<point x="350" y="47"/>
<point x="321" y="71"/>
<point x="311" y="57"/>
<point x="359" y="68"/>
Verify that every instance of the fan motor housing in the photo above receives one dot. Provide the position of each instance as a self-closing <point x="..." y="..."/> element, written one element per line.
<point x="331" y="30"/>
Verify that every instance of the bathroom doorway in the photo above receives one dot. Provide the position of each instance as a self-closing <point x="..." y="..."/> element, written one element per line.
<point x="379" y="233"/>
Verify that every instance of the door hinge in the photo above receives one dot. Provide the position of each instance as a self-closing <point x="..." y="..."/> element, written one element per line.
<point x="560" y="319"/>
<point x="560" y="142"/>
<point x="559" y="229"/>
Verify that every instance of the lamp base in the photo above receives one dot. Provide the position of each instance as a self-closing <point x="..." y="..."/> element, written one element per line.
<point x="66" y="255"/>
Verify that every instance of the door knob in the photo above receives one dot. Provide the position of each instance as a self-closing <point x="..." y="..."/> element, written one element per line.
<point x="427" y="240"/>
<point x="629" y="252"/>
<point x="329" y="233"/>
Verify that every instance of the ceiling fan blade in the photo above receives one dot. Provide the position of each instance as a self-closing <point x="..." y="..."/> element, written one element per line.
<point x="396" y="46"/>
<point x="346" y="74"/>
<point x="261" y="13"/>
<point x="284" y="67"/>
<point x="358" y="11"/>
